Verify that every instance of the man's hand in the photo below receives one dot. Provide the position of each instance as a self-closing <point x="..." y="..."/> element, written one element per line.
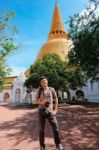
<point x="54" y="112"/>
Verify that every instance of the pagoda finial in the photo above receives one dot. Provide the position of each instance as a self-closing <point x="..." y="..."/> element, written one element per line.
<point x="57" y="27"/>
<point x="57" y="23"/>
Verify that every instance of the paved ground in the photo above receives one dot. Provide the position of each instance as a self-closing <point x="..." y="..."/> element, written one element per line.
<point x="79" y="126"/>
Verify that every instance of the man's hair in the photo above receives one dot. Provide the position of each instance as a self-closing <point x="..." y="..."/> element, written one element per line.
<point x="41" y="78"/>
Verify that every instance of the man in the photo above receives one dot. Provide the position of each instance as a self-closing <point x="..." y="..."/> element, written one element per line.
<point x="45" y="97"/>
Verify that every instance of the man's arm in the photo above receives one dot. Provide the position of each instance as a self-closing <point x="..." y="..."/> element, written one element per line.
<point x="56" y="104"/>
<point x="55" y="108"/>
<point x="55" y="99"/>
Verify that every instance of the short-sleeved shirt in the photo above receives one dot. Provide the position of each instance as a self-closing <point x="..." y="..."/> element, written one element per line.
<point x="48" y="94"/>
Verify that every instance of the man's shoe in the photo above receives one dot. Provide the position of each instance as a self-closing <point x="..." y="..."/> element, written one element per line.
<point x="59" y="147"/>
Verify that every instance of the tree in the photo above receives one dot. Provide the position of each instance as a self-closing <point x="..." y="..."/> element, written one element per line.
<point x="84" y="32"/>
<point x="57" y="72"/>
<point x="7" y="33"/>
<point x="50" y="66"/>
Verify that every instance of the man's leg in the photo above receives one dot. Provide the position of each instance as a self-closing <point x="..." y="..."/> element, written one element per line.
<point x="42" y="120"/>
<point x="54" y="124"/>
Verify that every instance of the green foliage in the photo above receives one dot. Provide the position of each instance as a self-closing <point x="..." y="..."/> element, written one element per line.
<point x="84" y="31"/>
<point x="75" y="78"/>
<point x="58" y="73"/>
<point x="50" y="66"/>
<point x="7" y="33"/>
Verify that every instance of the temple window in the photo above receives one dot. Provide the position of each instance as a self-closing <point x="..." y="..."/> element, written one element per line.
<point x="56" y="31"/>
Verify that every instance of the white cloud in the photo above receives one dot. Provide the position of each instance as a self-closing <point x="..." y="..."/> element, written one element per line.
<point x="92" y="8"/>
<point x="88" y="18"/>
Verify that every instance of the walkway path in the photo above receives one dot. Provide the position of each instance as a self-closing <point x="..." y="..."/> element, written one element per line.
<point x="79" y="126"/>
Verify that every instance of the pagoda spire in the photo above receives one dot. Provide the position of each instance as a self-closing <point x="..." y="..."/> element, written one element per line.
<point x="57" y="26"/>
<point x="57" y="23"/>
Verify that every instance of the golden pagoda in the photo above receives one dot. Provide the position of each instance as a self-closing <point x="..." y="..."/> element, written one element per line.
<point x="57" y="42"/>
<point x="57" y="39"/>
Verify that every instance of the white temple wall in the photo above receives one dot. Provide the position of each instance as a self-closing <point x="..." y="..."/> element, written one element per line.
<point x="18" y="97"/>
<point x="93" y="91"/>
<point x="18" y="92"/>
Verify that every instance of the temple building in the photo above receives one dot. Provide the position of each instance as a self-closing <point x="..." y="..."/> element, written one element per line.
<point x="58" y="42"/>
<point x="13" y="90"/>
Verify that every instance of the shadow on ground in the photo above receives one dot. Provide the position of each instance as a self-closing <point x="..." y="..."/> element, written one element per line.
<point x="79" y="126"/>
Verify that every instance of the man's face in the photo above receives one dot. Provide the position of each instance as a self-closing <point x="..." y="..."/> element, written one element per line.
<point x="44" y="82"/>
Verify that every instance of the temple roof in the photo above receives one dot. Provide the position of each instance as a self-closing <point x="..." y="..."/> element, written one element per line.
<point x="9" y="80"/>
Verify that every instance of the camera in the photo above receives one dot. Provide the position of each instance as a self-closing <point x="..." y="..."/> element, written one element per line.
<point x="47" y="104"/>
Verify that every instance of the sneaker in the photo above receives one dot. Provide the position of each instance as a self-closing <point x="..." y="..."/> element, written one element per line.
<point x="59" y="147"/>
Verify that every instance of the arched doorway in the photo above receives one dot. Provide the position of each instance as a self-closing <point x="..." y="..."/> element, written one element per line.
<point x="67" y="96"/>
<point x="80" y="95"/>
<point x="17" y="95"/>
<point x="6" y="97"/>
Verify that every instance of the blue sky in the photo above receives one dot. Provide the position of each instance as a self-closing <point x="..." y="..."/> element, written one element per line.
<point x="33" y="20"/>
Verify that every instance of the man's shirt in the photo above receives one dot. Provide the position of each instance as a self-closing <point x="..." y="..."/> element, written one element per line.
<point x="47" y="95"/>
